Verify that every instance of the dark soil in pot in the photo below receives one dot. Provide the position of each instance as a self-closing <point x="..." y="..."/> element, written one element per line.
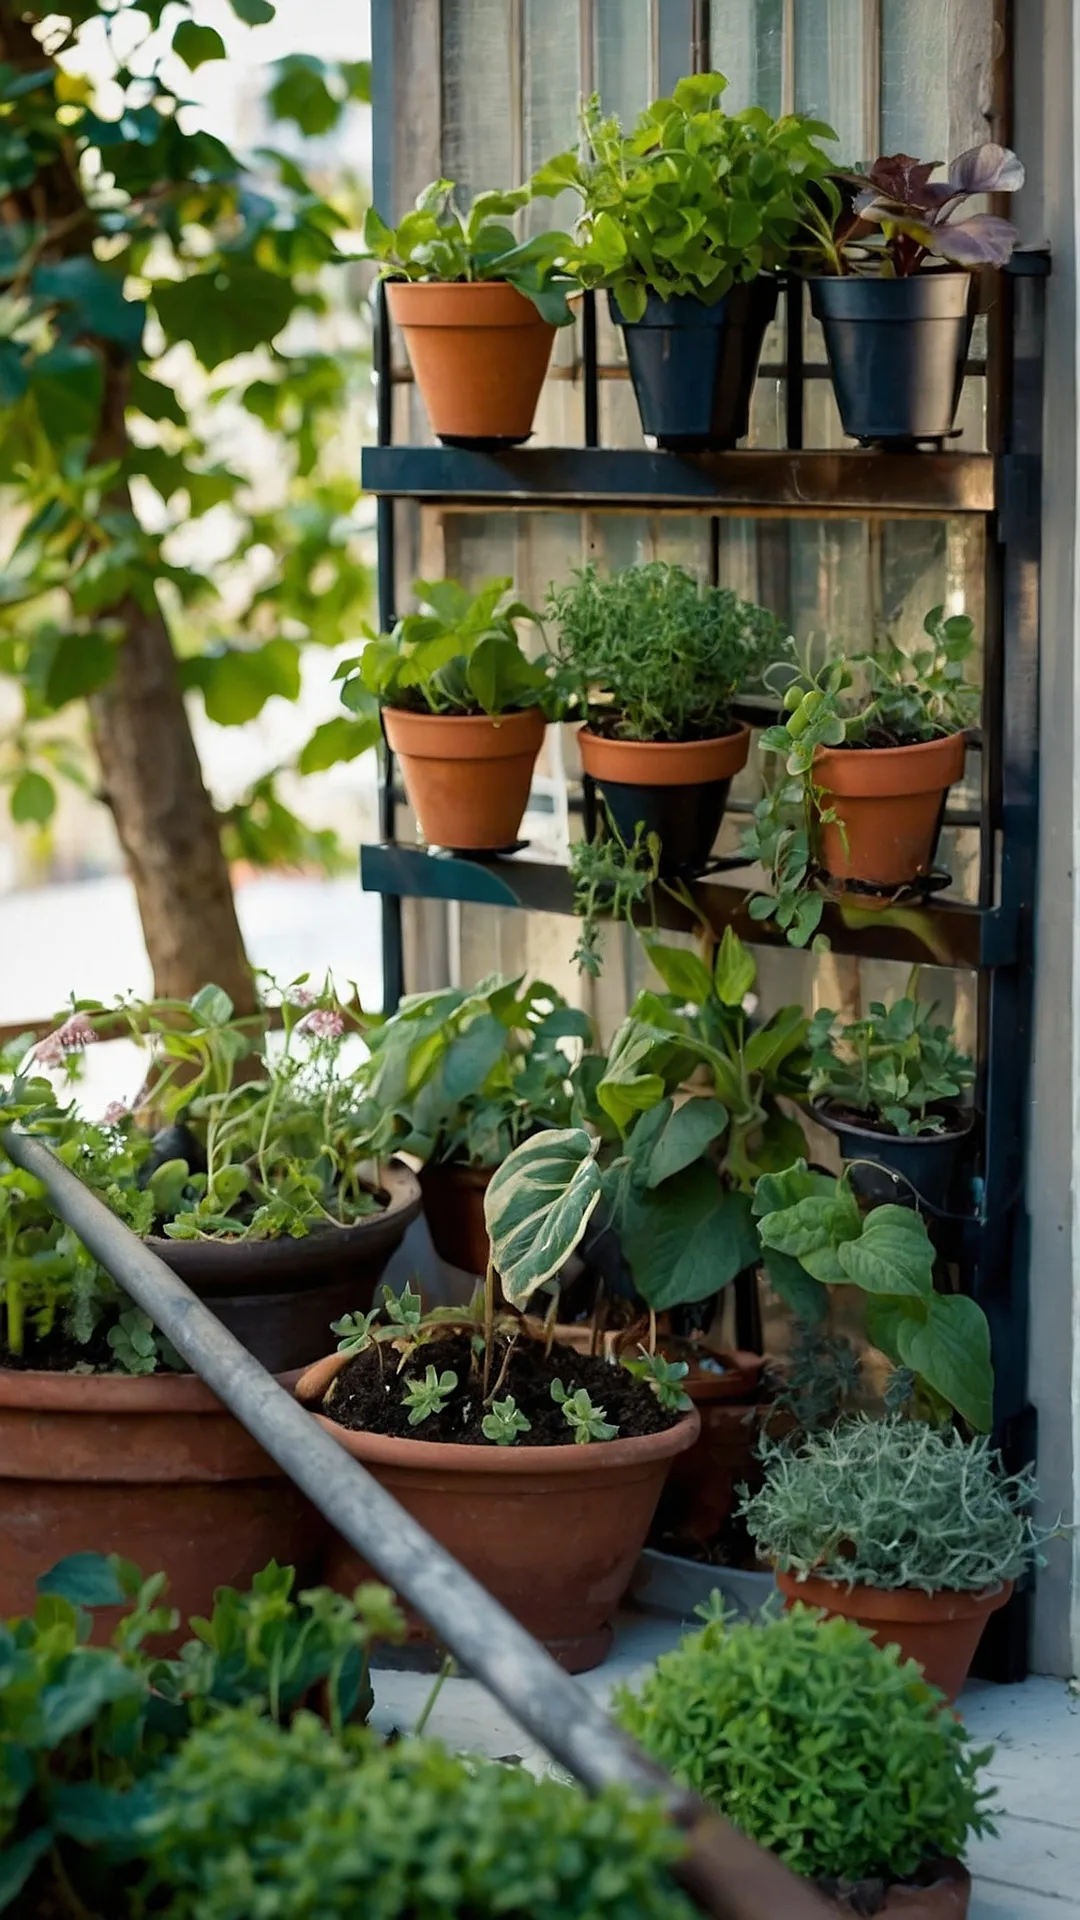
<point x="366" y="1396"/>
<point x="896" y="350"/>
<point x="279" y="1296"/>
<point x="693" y="366"/>
<point x="941" y="1891"/>
<point x="906" y="1167"/>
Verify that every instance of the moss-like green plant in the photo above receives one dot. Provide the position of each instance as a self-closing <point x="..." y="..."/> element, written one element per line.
<point x="816" y="1742"/>
<point x="894" y="1503"/>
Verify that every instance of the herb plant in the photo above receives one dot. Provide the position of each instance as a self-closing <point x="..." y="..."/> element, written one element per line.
<point x="585" y="1421"/>
<point x="812" y="1230"/>
<point x="818" y="1744"/>
<point x="663" y="1377"/>
<point x="612" y="880"/>
<point x="460" y="654"/>
<point x="895" y="1066"/>
<point x="894" y="1503"/>
<point x="896" y="219"/>
<point x="436" y="241"/>
<point x="692" y="201"/>
<point x="652" y="653"/>
<point x="429" y="1395"/>
<point x="505" y="1422"/>
<point x="885" y="698"/>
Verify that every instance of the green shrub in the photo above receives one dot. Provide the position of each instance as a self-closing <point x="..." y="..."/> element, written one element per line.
<point x="651" y="653"/>
<point x="815" y="1742"/>
<point x="289" y="1824"/>
<point x="894" y="1503"/>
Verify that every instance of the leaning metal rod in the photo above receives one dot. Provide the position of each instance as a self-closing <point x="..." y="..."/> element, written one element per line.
<point x="726" y="1874"/>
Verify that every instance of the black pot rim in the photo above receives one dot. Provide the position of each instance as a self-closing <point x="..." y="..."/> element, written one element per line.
<point x="819" y="1106"/>
<point x="275" y="1266"/>
<point x="690" y="310"/>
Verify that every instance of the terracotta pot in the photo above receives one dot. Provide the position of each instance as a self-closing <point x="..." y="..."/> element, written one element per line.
<point x="479" y="352"/>
<point x="153" y="1468"/>
<point x="552" y="1532"/>
<point x="889" y="800"/>
<point x="467" y="777"/>
<point x="279" y="1296"/>
<point x="939" y="1630"/>
<point x="700" y="1491"/>
<point x="454" y="1211"/>
<point x="946" y="1896"/>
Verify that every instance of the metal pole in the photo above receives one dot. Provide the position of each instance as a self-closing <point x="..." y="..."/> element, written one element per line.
<point x="724" y="1872"/>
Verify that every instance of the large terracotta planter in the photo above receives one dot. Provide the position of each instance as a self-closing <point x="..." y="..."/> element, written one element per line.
<point x="941" y="1631"/>
<point x="889" y="802"/>
<point x="479" y="351"/>
<point x="454" y="1211"/>
<point x="467" y="777"/>
<point x="946" y="1896"/>
<point x="152" y="1468"/>
<point x="279" y="1296"/>
<point x="552" y="1532"/>
<point x="675" y="789"/>
<point x="700" y="1490"/>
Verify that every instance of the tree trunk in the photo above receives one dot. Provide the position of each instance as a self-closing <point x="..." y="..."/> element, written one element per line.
<point x="151" y="780"/>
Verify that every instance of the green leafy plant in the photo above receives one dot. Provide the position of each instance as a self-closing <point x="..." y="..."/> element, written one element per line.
<point x="463" y="1076"/>
<point x="436" y="241"/>
<point x="428" y="1396"/>
<point x="818" y="1744"/>
<point x="663" y="1377"/>
<point x="612" y="880"/>
<point x="586" y="1422"/>
<point x="812" y="1228"/>
<point x="895" y="1066"/>
<point x="692" y="201"/>
<point x="652" y="653"/>
<point x="885" y="698"/>
<point x="894" y="1503"/>
<point x="459" y="654"/>
<point x="505" y="1422"/>
<point x="895" y="219"/>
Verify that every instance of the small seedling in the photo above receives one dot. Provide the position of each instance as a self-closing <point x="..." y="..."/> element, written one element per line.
<point x="504" y="1422"/>
<point x="405" y="1310"/>
<point x="586" y="1421"/>
<point x="354" y="1331"/>
<point x="429" y="1395"/>
<point x="663" y="1378"/>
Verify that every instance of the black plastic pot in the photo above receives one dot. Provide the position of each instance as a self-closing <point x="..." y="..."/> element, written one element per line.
<point x="279" y="1296"/>
<point x="687" y="820"/>
<point x="896" y="350"/>
<point x="694" y="366"/>
<point x="902" y="1166"/>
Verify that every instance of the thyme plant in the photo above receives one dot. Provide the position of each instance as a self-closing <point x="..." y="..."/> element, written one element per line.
<point x="894" y="1503"/>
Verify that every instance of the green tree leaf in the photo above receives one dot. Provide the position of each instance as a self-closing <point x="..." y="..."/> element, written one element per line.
<point x="300" y="94"/>
<point x="254" y="13"/>
<point x="337" y="740"/>
<point x="33" y="800"/>
<point x="234" y="308"/>
<point x="538" y="1205"/>
<point x="195" y="45"/>
<point x="81" y="663"/>
<point x="237" y="683"/>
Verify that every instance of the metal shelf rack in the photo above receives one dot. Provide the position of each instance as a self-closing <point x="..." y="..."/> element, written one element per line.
<point x="992" y="938"/>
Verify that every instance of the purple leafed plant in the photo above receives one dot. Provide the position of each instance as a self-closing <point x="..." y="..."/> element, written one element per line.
<point x="897" y="220"/>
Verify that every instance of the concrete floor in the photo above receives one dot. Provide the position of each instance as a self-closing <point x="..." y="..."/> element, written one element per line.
<point x="1031" y="1871"/>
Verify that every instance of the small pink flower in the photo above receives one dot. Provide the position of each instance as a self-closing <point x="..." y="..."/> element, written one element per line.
<point x="76" y="1033"/>
<point x="301" y="997"/>
<point x="114" y="1114"/>
<point x="49" y="1052"/>
<point x="324" y="1023"/>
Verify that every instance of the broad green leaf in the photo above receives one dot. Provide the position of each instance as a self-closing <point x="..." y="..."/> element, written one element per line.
<point x="237" y="682"/>
<point x="212" y="1007"/>
<point x="807" y="1299"/>
<point x="771" y="1044"/>
<point x="893" y="1253"/>
<point x="33" y="800"/>
<point x="687" y="1239"/>
<point x="254" y="13"/>
<point x="811" y="1230"/>
<point x="538" y="1205"/>
<point x="85" y="1579"/>
<point x="232" y="309"/>
<point x="776" y="1192"/>
<point x="14" y="373"/>
<point x="195" y="45"/>
<point x="950" y="1350"/>
<point x="735" y="970"/>
<point x="691" y="1128"/>
<point x="299" y="93"/>
<point x="67" y="385"/>
<point x="81" y="664"/>
<point x="471" y="1056"/>
<point x="338" y="740"/>
<point x="17" y="1863"/>
<point x="681" y="971"/>
<point x="75" y="1699"/>
<point x="95" y="1816"/>
<point x="92" y="300"/>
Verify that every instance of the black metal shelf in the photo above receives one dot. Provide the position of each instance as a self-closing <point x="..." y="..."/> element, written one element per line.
<point x="791" y="483"/>
<point x="938" y="931"/>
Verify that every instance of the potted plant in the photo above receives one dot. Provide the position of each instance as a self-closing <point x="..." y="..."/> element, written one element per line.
<point x="462" y="706"/>
<point x="870" y="746"/>
<point x="685" y="221"/>
<point x="889" y="1086"/>
<point x="466" y="1076"/>
<point x="910" y="1529"/>
<point x="893" y="256"/>
<point x="104" y="1443"/>
<point x="538" y="1468"/>
<point x="835" y="1755"/>
<point x="651" y="659"/>
<point x="478" y="309"/>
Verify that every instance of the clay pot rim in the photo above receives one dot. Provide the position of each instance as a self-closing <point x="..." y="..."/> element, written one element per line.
<point x="819" y="1107"/>
<point x="116" y="1393"/>
<point x="895" y="1603"/>
<point x="665" y="763"/>
<point x="381" y="1449"/>
<point x="884" y="772"/>
<point x="485" y="297"/>
<point x="465" y="736"/>
<point x="950" y="1874"/>
<point x="743" y="1376"/>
